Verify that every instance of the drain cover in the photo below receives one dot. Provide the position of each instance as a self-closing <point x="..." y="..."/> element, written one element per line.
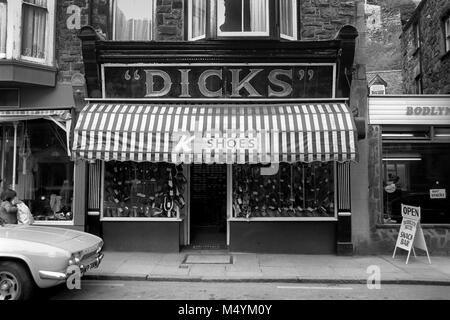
<point x="208" y="259"/>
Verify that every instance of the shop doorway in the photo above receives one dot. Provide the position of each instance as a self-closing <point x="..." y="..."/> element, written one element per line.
<point x="208" y="209"/>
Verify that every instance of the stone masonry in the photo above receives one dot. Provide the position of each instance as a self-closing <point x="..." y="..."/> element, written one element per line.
<point x="430" y="61"/>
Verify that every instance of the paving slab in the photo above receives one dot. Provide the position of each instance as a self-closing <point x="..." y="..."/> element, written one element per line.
<point x="209" y="270"/>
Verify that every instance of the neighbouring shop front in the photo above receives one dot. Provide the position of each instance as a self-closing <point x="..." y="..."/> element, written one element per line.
<point x="412" y="138"/>
<point x="35" y="161"/>
<point x="226" y="145"/>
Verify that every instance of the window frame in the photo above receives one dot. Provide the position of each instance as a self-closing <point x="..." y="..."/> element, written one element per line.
<point x="3" y="54"/>
<point x="152" y="24"/>
<point x="295" y="16"/>
<point x="446" y="29"/>
<point x="14" y="30"/>
<point x="416" y="36"/>
<point x="251" y="34"/>
<point x="211" y="20"/>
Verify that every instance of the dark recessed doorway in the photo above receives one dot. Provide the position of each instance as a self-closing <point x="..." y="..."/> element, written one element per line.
<point x="208" y="206"/>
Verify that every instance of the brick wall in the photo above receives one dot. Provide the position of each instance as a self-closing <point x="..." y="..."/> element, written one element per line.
<point x="322" y="19"/>
<point x="70" y="15"/>
<point x="430" y="58"/>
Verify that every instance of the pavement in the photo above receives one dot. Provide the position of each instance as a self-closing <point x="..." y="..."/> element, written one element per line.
<point x="252" y="267"/>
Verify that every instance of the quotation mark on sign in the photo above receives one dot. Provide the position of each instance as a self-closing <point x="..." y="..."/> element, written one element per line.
<point x="301" y="74"/>
<point x="374" y="279"/>
<point x="136" y="75"/>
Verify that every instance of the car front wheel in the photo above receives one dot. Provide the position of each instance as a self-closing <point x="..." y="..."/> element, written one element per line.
<point x="15" y="281"/>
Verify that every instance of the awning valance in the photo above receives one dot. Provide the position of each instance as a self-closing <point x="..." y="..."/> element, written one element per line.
<point x="61" y="117"/>
<point x="215" y="133"/>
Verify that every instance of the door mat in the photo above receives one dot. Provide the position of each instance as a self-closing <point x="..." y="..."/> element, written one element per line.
<point x="208" y="259"/>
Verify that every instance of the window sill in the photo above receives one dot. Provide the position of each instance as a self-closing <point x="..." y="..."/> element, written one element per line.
<point x="53" y="223"/>
<point x="281" y="219"/>
<point x="424" y="226"/>
<point x="27" y="73"/>
<point x="141" y="219"/>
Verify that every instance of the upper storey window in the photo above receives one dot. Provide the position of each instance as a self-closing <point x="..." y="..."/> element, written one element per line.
<point x="242" y="18"/>
<point x="34" y="22"/>
<point x="133" y="20"/>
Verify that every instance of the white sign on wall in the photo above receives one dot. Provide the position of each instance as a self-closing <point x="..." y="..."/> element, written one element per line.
<point x="410" y="235"/>
<point x="409" y="109"/>
<point x="438" y="194"/>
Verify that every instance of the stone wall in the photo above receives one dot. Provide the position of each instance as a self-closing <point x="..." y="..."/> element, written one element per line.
<point x="430" y="60"/>
<point x="322" y="19"/>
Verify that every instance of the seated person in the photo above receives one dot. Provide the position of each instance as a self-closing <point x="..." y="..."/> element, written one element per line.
<point x="8" y="211"/>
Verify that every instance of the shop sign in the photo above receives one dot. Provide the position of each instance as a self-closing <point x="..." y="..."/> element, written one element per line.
<point x="215" y="81"/>
<point x="430" y="110"/>
<point x="197" y="143"/>
<point x="410" y="235"/>
<point x="438" y="194"/>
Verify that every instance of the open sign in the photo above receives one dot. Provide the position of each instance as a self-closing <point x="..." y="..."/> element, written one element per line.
<point x="410" y="212"/>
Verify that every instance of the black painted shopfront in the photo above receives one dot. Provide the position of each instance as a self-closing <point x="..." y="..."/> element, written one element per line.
<point x="219" y="144"/>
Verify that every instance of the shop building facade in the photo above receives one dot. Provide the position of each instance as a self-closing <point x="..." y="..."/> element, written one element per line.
<point x="215" y="142"/>
<point x="37" y="110"/>
<point x="409" y="137"/>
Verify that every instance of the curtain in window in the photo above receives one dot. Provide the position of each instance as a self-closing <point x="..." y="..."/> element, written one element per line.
<point x="198" y="18"/>
<point x="133" y="20"/>
<point x="258" y="15"/>
<point x="34" y="21"/>
<point x="287" y="15"/>
<point x="3" y="8"/>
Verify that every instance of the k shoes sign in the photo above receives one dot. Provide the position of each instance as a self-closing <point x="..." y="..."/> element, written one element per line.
<point x="218" y="81"/>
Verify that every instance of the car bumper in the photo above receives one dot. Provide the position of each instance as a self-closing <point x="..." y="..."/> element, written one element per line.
<point x="61" y="276"/>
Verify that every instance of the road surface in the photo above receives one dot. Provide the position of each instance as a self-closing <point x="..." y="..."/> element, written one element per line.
<point x="155" y="290"/>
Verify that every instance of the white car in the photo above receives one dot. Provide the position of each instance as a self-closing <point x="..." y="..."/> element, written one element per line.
<point x="34" y="257"/>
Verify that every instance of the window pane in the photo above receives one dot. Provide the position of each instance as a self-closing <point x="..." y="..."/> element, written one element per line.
<point x="44" y="172"/>
<point x="3" y="14"/>
<point x="142" y="190"/>
<point x="297" y="190"/>
<point x="34" y="21"/>
<point x="410" y="172"/>
<point x="288" y="17"/>
<point x="133" y="20"/>
<point x="198" y="18"/>
<point x="242" y="16"/>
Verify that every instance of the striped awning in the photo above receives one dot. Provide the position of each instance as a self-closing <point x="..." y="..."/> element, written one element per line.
<point x="216" y="133"/>
<point x="17" y="114"/>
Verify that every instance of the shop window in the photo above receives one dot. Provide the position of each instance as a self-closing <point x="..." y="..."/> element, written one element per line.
<point x="241" y="18"/>
<point x="418" y="175"/>
<point x="291" y="191"/>
<point x="34" y="20"/>
<point x="143" y="190"/>
<point x="447" y="33"/>
<point x="133" y="20"/>
<point x="441" y="133"/>
<point x="42" y="174"/>
<point x="3" y="20"/>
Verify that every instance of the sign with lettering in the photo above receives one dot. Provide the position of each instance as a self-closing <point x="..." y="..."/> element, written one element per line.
<point x="216" y="81"/>
<point x="438" y="194"/>
<point x="410" y="110"/>
<point x="410" y="235"/>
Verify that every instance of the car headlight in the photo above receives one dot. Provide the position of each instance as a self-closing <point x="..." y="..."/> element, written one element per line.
<point x="75" y="258"/>
<point x="100" y="246"/>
